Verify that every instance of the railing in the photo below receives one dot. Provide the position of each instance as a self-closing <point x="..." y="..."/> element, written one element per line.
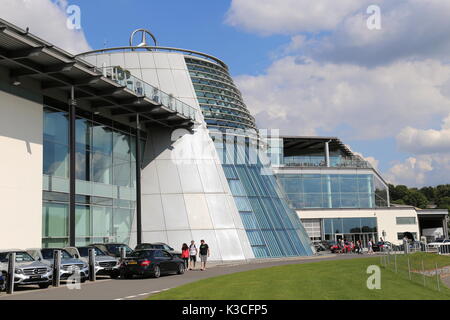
<point x="422" y="268"/>
<point x="319" y="161"/>
<point x="142" y="88"/>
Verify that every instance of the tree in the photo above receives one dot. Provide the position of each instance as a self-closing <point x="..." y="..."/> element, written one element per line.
<point x="416" y="199"/>
<point x="443" y="203"/>
<point x="398" y="192"/>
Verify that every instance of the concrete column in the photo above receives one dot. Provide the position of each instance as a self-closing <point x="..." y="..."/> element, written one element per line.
<point x="328" y="190"/>
<point x="327" y="154"/>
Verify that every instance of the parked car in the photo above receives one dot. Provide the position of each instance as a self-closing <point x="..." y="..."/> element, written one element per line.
<point x="150" y="262"/>
<point x="438" y="242"/>
<point x="113" y="249"/>
<point x="382" y="245"/>
<point x="28" y="270"/>
<point x="158" y="245"/>
<point x="104" y="264"/>
<point x="2" y="281"/>
<point x="319" y="247"/>
<point x="69" y="264"/>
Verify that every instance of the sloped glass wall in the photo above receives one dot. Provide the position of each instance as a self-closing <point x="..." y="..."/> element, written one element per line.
<point x="273" y="229"/>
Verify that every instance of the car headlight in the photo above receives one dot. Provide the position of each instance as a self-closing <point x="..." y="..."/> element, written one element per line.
<point x="49" y="269"/>
<point x="85" y="265"/>
<point x="18" y="271"/>
<point x="96" y="264"/>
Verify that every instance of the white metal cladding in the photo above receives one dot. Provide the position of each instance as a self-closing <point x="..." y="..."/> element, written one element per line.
<point x="185" y="195"/>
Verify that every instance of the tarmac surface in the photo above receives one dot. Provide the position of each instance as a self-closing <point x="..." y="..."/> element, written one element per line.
<point x="138" y="288"/>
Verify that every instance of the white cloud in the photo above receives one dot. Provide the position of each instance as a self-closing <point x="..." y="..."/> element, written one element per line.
<point x="421" y="170"/>
<point x="303" y="96"/>
<point x="46" y="19"/>
<point x="290" y="16"/>
<point x="338" y="77"/>
<point x="428" y="141"/>
<point x="411" y="29"/>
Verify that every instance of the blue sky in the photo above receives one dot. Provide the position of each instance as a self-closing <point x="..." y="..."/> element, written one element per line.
<point x="304" y="67"/>
<point x="200" y="26"/>
<point x="191" y="25"/>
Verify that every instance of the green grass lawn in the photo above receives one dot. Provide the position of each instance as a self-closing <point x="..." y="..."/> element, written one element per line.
<point x="325" y="280"/>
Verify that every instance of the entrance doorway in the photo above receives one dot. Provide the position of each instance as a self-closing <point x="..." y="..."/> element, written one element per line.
<point x="338" y="237"/>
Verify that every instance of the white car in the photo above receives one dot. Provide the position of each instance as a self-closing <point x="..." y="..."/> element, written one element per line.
<point x="438" y="243"/>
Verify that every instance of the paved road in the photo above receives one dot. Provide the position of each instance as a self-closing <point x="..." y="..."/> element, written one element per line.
<point x="136" y="289"/>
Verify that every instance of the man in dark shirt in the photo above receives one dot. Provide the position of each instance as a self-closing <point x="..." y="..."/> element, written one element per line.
<point x="204" y="254"/>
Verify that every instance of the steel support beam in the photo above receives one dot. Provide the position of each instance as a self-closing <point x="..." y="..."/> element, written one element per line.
<point x="72" y="172"/>
<point x="138" y="181"/>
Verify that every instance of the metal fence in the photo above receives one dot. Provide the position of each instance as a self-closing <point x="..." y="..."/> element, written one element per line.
<point x="414" y="267"/>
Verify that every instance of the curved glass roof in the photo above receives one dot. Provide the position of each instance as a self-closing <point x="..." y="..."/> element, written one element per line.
<point x="219" y="98"/>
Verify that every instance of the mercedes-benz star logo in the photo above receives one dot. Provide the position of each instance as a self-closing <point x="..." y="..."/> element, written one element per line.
<point x="144" y="33"/>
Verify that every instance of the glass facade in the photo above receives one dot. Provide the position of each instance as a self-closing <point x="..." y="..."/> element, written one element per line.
<point x="273" y="229"/>
<point x="350" y="229"/>
<point x="333" y="190"/>
<point x="221" y="102"/>
<point x="105" y="179"/>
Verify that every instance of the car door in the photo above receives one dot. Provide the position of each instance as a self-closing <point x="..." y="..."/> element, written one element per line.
<point x="170" y="262"/>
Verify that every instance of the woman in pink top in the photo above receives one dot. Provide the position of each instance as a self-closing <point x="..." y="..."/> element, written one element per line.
<point x="185" y="255"/>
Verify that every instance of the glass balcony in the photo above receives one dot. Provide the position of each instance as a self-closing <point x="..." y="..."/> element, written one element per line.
<point x="319" y="161"/>
<point x="142" y="88"/>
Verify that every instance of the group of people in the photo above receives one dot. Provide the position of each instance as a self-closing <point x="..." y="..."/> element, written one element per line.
<point x="189" y="255"/>
<point x="356" y="247"/>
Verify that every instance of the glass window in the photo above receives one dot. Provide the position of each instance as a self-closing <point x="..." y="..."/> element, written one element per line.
<point x="369" y="224"/>
<point x="102" y="139"/>
<point x="351" y="225"/>
<point x="312" y="185"/>
<point x="55" y="220"/>
<point x="82" y="221"/>
<point x="337" y="225"/>
<point x="101" y="168"/>
<point x="101" y="221"/>
<point x="406" y="220"/>
<point x="56" y="159"/>
<point x="56" y="126"/>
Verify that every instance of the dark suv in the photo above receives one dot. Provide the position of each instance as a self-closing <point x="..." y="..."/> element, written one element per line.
<point x="113" y="249"/>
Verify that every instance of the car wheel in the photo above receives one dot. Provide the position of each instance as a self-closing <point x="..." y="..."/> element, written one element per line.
<point x="156" y="272"/>
<point x="83" y="280"/>
<point x="44" y="285"/>
<point x="180" y="269"/>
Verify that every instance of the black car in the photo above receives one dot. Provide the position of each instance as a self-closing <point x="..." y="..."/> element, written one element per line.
<point x="158" y="245"/>
<point x="150" y="262"/>
<point x="113" y="249"/>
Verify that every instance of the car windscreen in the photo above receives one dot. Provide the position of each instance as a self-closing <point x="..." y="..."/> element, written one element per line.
<point x="84" y="251"/>
<point x="142" y="254"/>
<point x="21" y="256"/>
<point x="145" y="246"/>
<point x="47" y="254"/>
<point x="115" y="248"/>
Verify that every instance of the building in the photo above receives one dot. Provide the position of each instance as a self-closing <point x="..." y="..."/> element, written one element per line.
<point x="338" y="195"/>
<point x="134" y="144"/>
<point x="144" y="143"/>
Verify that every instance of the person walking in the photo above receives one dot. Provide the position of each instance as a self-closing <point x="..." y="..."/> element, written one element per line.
<point x="185" y="255"/>
<point x="204" y="254"/>
<point x="369" y="245"/>
<point x="360" y="246"/>
<point x="192" y="254"/>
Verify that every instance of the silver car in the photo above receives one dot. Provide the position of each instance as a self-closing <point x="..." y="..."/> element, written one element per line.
<point x="28" y="270"/>
<point x="69" y="264"/>
<point x="104" y="264"/>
